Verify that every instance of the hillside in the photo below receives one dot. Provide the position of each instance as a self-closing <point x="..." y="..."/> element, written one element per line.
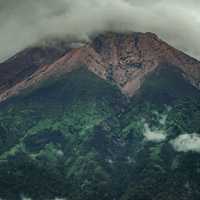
<point x="115" y="119"/>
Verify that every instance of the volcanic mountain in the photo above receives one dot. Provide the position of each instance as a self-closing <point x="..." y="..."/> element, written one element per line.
<point x="116" y="118"/>
<point x="124" y="59"/>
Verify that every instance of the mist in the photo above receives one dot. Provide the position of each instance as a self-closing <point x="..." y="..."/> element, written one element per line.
<point x="25" y="22"/>
<point x="156" y="136"/>
<point x="187" y="143"/>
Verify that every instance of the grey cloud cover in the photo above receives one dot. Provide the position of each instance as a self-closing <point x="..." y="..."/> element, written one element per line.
<point x="24" y="22"/>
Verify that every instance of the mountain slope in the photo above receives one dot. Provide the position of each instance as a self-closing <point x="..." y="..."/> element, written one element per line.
<point x="23" y="64"/>
<point x="115" y="119"/>
<point x="83" y="140"/>
<point x="125" y="59"/>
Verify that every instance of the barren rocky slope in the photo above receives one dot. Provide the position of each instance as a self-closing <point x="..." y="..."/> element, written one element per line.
<point x="125" y="59"/>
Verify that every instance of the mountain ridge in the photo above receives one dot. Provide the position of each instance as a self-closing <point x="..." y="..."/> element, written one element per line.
<point x="126" y="59"/>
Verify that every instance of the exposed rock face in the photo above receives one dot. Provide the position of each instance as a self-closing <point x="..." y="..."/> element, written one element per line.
<point x="125" y="59"/>
<point x="133" y="56"/>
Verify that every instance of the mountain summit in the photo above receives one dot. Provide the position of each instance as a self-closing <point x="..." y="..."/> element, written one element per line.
<point x="126" y="59"/>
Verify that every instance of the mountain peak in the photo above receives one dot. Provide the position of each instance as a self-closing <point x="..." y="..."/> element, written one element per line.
<point x="132" y="56"/>
<point x="126" y="59"/>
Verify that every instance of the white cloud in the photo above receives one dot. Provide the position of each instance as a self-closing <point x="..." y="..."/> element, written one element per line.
<point x="154" y="136"/>
<point x="25" y="198"/>
<point x="59" y="199"/>
<point x="186" y="143"/>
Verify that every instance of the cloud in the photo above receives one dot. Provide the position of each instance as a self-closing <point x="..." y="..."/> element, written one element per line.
<point x="186" y="143"/>
<point x="24" y="22"/>
<point x="25" y="198"/>
<point x="154" y="136"/>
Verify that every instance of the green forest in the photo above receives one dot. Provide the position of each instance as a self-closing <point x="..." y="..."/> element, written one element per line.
<point x="79" y="138"/>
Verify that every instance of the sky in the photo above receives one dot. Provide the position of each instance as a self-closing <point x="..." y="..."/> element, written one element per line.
<point x="25" y="22"/>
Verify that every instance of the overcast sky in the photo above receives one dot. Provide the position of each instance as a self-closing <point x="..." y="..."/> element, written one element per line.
<point x="24" y="22"/>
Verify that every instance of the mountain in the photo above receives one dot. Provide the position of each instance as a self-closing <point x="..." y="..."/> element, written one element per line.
<point x="115" y="118"/>
<point x="125" y="59"/>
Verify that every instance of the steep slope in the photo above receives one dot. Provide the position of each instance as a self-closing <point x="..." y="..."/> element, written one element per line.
<point x="58" y="117"/>
<point x="80" y="138"/>
<point x="25" y="63"/>
<point x="115" y="119"/>
<point x="125" y="59"/>
<point x="133" y="56"/>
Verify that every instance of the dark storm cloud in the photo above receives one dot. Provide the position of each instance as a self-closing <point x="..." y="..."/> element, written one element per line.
<point x="24" y="22"/>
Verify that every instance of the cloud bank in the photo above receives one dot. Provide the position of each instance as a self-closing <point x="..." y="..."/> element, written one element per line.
<point x="25" y="22"/>
<point x="187" y="142"/>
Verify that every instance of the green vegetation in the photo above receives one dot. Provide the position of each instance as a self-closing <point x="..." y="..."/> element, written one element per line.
<point x="79" y="138"/>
